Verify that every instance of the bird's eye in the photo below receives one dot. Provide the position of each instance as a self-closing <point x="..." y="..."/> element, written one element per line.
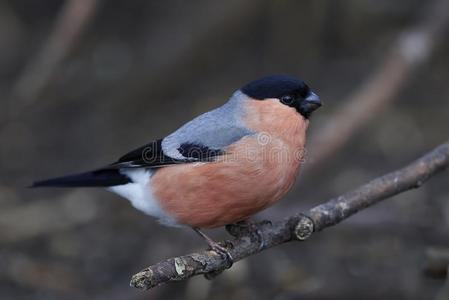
<point x="287" y="100"/>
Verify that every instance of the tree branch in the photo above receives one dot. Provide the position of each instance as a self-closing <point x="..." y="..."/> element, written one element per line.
<point x="297" y="227"/>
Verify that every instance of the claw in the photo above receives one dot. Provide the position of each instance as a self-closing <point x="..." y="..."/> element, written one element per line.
<point x="220" y="250"/>
<point x="223" y="252"/>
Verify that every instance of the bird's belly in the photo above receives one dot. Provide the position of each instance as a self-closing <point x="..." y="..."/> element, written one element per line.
<point x="209" y="195"/>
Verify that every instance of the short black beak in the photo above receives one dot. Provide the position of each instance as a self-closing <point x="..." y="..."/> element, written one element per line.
<point x="311" y="103"/>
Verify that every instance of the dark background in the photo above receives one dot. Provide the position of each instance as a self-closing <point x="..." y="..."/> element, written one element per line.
<point x="140" y="69"/>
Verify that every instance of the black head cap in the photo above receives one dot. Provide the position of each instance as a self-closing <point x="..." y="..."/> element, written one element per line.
<point x="289" y="90"/>
<point x="274" y="86"/>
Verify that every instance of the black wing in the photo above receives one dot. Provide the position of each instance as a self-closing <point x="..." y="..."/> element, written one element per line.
<point x="148" y="156"/>
<point x="151" y="155"/>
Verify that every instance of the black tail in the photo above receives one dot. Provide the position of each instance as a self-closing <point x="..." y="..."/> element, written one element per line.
<point x="101" y="177"/>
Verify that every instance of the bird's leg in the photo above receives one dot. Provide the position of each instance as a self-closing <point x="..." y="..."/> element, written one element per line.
<point x="222" y="251"/>
<point x="248" y="227"/>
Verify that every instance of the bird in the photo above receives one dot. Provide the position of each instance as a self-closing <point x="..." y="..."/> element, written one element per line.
<point x="220" y="168"/>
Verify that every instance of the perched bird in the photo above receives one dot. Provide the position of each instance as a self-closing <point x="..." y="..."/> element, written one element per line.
<point x="220" y="168"/>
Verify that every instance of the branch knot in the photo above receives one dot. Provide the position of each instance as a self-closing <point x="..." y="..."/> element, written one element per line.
<point x="304" y="228"/>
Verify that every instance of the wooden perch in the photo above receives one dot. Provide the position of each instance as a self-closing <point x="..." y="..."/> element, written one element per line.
<point x="297" y="227"/>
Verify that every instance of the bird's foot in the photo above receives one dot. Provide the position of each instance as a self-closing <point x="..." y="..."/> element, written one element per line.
<point x="219" y="249"/>
<point x="248" y="227"/>
<point x="223" y="252"/>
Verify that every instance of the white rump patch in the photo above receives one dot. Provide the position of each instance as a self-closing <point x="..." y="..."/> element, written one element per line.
<point x="140" y="195"/>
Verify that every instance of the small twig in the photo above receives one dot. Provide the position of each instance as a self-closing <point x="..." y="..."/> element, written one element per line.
<point x="73" y="19"/>
<point x="300" y="226"/>
<point x="412" y="48"/>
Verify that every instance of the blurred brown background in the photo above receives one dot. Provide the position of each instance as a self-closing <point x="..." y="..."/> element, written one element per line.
<point x="82" y="82"/>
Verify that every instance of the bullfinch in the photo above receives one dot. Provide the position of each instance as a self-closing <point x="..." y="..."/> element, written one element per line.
<point x="221" y="167"/>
